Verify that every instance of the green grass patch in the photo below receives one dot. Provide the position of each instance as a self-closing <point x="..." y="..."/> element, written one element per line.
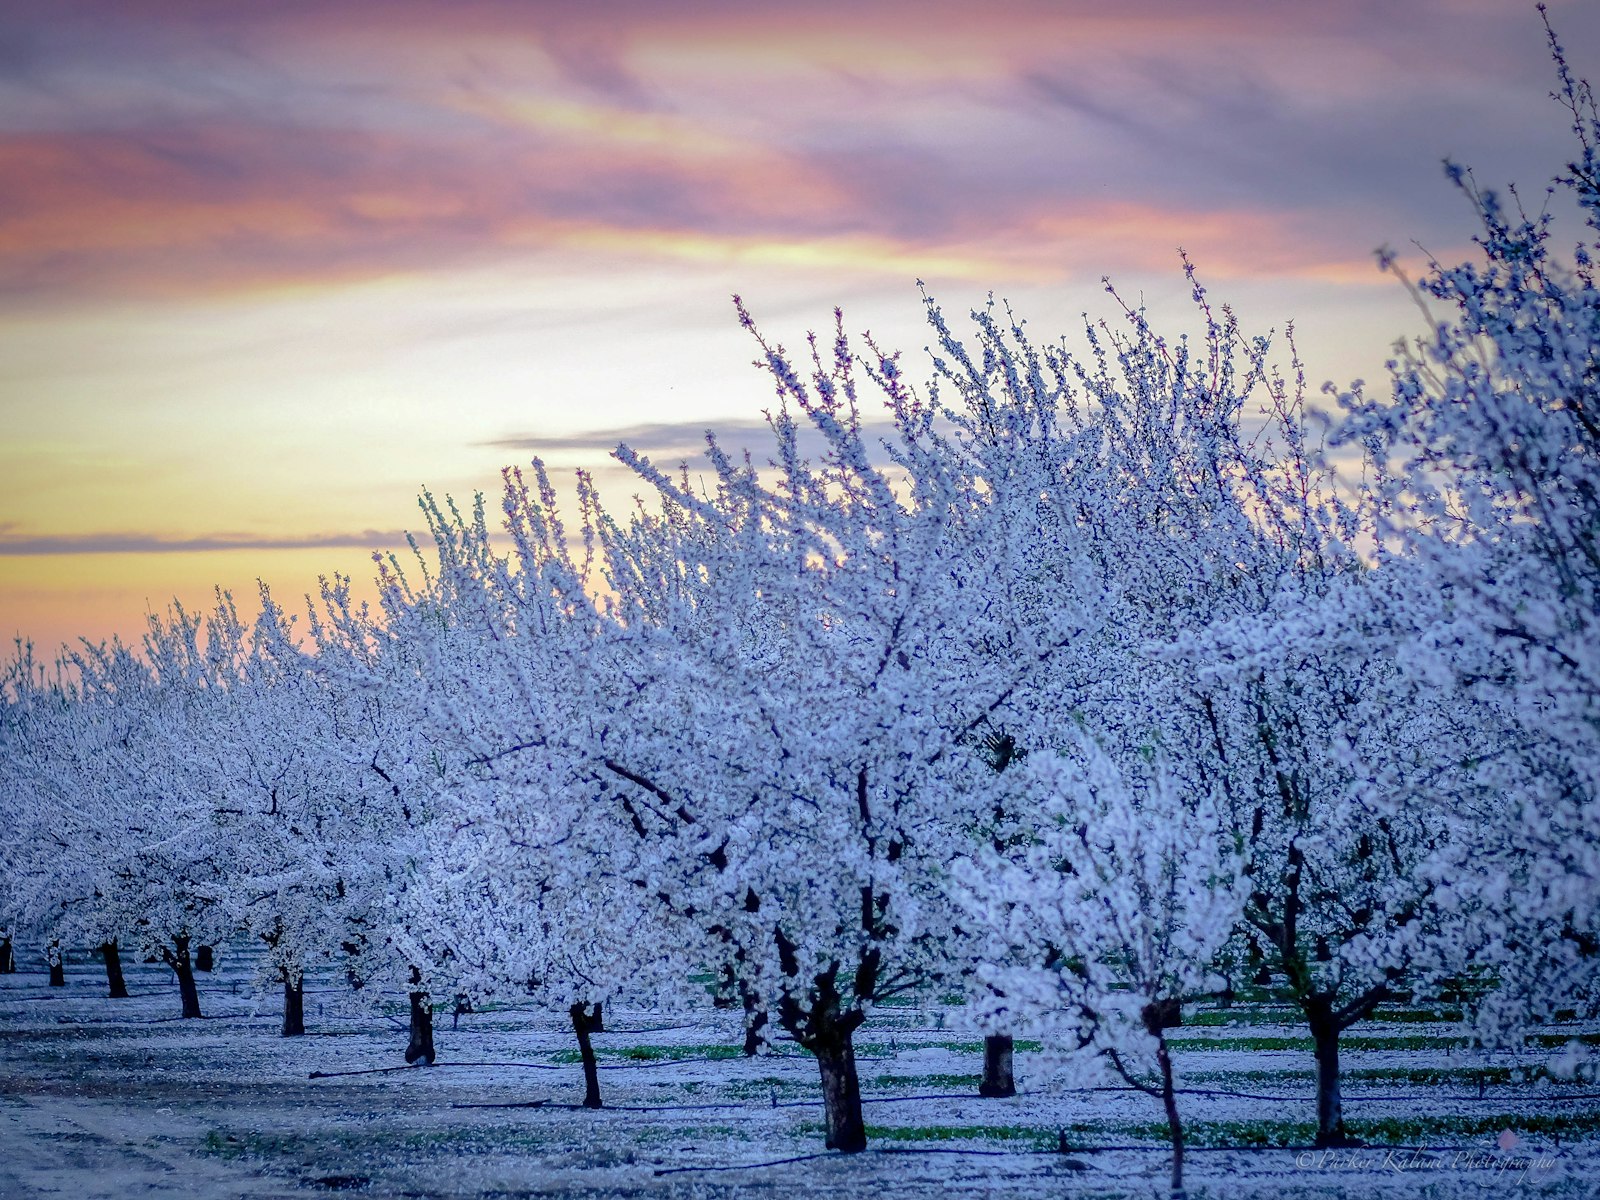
<point x="1492" y="1076"/>
<point x="1387" y="1131"/>
<point x="1497" y="1076"/>
<point x="1279" y="1015"/>
<point x="228" y="1144"/>
<point x="1554" y="1041"/>
<point x="1253" y="1042"/>
<point x="885" y="1050"/>
<point x="341" y="1144"/>
<point x="1290" y="1042"/>
<point x="1086" y="1136"/>
<point x="1022" y="1137"/>
<point x="1417" y="1016"/>
<point x="1381" y="1041"/>
<point x="751" y="1089"/>
<point x="1222" y="1018"/>
<point x="653" y="1053"/>
<point x="1411" y="1129"/>
<point x="902" y="1083"/>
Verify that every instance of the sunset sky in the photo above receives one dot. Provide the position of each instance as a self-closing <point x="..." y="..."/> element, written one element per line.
<point x="266" y="269"/>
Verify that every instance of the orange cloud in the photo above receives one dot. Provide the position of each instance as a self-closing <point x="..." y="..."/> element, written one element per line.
<point x="242" y="207"/>
<point x="985" y="142"/>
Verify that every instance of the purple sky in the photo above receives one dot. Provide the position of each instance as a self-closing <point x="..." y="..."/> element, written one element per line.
<point x="267" y="268"/>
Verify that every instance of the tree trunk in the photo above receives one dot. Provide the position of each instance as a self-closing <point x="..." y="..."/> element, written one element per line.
<point x="1169" y="1101"/>
<point x="178" y="959"/>
<point x="116" y="986"/>
<point x="755" y="1020"/>
<point x="294" y="1006"/>
<point x="1330" y="1105"/>
<point x="997" y="1057"/>
<point x="58" y="965"/>
<point x="841" y="1094"/>
<point x="597" y="1020"/>
<point x="204" y="959"/>
<point x="420" y="1048"/>
<point x="8" y="958"/>
<point x="582" y="1024"/>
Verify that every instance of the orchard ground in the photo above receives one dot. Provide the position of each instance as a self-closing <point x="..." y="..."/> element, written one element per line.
<point x="103" y="1098"/>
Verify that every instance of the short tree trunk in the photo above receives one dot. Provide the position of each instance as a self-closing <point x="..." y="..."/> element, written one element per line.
<point x="1169" y="1101"/>
<point x="177" y="957"/>
<point x="8" y="958"/>
<point x="841" y="1094"/>
<point x="582" y="1025"/>
<point x="294" y="1006"/>
<point x="58" y="965"/>
<point x="116" y="986"/>
<point x="1330" y="1103"/>
<point x="752" y="1036"/>
<point x="420" y="1048"/>
<point x="204" y="958"/>
<point x="998" y="1049"/>
<point x="755" y="1020"/>
<point x="597" y="1019"/>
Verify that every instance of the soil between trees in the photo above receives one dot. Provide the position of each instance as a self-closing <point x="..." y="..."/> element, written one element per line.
<point x="103" y="1098"/>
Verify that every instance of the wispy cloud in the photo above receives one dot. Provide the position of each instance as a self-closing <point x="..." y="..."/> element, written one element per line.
<point x="656" y="437"/>
<point x="13" y="544"/>
<point x="682" y="438"/>
<point x="310" y="143"/>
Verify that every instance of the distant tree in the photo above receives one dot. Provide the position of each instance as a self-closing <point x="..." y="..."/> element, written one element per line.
<point x="1110" y="913"/>
<point x="383" y="771"/>
<point x="139" y="792"/>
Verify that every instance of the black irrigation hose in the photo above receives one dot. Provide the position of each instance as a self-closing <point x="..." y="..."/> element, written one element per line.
<point x="627" y="1066"/>
<point x="1064" y="1152"/>
<point x="1360" y="1096"/>
<point x="966" y="1150"/>
<point x="146" y="1021"/>
<point x="632" y="1066"/>
<point x="369" y="1071"/>
<point x="1354" y="1096"/>
<point x="777" y="1162"/>
<point x="860" y="1058"/>
<point x="632" y="1108"/>
<point x="696" y="1107"/>
<point x="68" y="994"/>
<point x="428" y="1066"/>
<point x="558" y="1031"/>
<point x="884" y="1099"/>
<point x="668" y="1062"/>
<point x="1165" y="1147"/>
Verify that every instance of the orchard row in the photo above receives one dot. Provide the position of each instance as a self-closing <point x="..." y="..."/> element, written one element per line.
<point x="1103" y="680"/>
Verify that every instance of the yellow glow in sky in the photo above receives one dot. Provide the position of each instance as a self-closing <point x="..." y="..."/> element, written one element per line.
<point x="266" y="272"/>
